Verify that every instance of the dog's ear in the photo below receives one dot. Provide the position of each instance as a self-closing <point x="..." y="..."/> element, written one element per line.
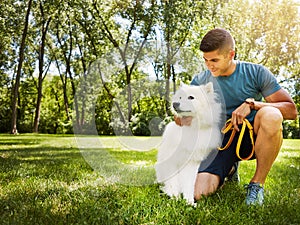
<point x="209" y="87"/>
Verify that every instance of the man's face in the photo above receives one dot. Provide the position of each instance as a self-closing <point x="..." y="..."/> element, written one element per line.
<point x="219" y="64"/>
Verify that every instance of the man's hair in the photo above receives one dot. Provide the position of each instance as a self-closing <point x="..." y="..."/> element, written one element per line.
<point x="217" y="39"/>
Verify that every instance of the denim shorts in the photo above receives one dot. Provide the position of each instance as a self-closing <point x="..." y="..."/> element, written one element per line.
<point x="224" y="160"/>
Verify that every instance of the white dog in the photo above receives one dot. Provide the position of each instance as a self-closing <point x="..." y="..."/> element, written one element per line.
<point x="184" y="147"/>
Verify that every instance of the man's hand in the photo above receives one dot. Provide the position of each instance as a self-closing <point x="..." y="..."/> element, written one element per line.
<point x="239" y="114"/>
<point x="183" y="121"/>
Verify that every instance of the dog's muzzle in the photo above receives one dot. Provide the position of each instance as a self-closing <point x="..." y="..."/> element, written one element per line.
<point x="176" y="106"/>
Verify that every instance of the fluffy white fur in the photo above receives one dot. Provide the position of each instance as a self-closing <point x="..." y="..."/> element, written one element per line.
<point x="183" y="148"/>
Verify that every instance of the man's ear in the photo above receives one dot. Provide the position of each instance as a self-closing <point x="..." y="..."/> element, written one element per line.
<point x="231" y="54"/>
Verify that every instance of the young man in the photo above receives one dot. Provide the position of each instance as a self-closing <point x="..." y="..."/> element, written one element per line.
<point x="243" y="85"/>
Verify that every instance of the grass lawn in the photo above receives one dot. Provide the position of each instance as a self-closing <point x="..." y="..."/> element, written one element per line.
<point x="47" y="179"/>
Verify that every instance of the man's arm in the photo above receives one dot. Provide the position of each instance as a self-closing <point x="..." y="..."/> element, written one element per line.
<point x="282" y="101"/>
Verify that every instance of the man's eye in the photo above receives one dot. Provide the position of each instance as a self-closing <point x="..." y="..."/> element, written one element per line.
<point x="191" y="97"/>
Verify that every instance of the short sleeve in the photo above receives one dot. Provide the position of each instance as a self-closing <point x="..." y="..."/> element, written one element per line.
<point x="199" y="79"/>
<point x="267" y="83"/>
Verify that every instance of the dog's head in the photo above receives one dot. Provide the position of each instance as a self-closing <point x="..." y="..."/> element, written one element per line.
<point x="189" y="100"/>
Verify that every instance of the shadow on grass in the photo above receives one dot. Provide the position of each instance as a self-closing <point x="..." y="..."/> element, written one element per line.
<point x="111" y="166"/>
<point x="9" y="143"/>
<point x="63" y="164"/>
<point x="56" y="185"/>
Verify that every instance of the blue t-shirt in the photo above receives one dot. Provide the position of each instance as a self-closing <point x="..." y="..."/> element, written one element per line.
<point x="249" y="80"/>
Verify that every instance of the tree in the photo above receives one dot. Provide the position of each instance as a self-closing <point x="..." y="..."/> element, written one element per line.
<point x="18" y="75"/>
<point x="44" y="25"/>
<point x="6" y="32"/>
<point x="131" y="35"/>
<point x="266" y="32"/>
<point x="137" y="16"/>
<point x="63" y="51"/>
<point x="177" y="19"/>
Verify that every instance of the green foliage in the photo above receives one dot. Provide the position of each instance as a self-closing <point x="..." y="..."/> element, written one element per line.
<point x="142" y="41"/>
<point x="26" y="104"/>
<point x="54" y="118"/>
<point x="291" y="129"/>
<point x="267" y="33"/>
<point x="148" y="111"/>
<point x="4" y="102"/>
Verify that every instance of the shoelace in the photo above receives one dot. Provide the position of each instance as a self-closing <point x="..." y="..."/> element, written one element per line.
<point x="252" y="190"/>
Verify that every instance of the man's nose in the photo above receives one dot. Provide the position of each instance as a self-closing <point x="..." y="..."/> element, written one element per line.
<point x="209" y="65"/>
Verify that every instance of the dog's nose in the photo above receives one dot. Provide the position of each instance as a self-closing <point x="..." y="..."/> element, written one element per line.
<point x="176" y="105"/>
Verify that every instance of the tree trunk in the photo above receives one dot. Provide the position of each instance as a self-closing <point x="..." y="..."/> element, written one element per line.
<point x="63" y="78"/>
<point x="45" y="26"/>
<point x="128" y="69"/>
<point x="18" y="76"/>
<point x="173" y="78"/>
<point x="167" y="94"/>
<point x="38" y="106"/>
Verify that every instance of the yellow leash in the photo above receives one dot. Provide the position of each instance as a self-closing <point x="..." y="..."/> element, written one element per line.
<point x="228" y="127"/>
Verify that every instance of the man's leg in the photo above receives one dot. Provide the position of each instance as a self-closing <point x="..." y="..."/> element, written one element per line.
<point x="211" y="177"/>
<point x="268" y="128"/>
<point x="206" y="183"/>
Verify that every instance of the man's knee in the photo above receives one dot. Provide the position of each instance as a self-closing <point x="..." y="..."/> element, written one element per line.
<point x="269" y="119"/>
<point x="206" y="184"/>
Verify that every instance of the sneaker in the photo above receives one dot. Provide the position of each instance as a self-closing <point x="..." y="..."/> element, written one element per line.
<point x="255" y="194"/>
<point x="234" y="176"/>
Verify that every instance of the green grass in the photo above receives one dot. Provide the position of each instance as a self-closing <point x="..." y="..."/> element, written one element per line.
<point x="46" y="179"/>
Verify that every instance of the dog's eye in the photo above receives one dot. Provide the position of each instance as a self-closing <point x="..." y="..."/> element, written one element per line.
<point x="190" y="97"/>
